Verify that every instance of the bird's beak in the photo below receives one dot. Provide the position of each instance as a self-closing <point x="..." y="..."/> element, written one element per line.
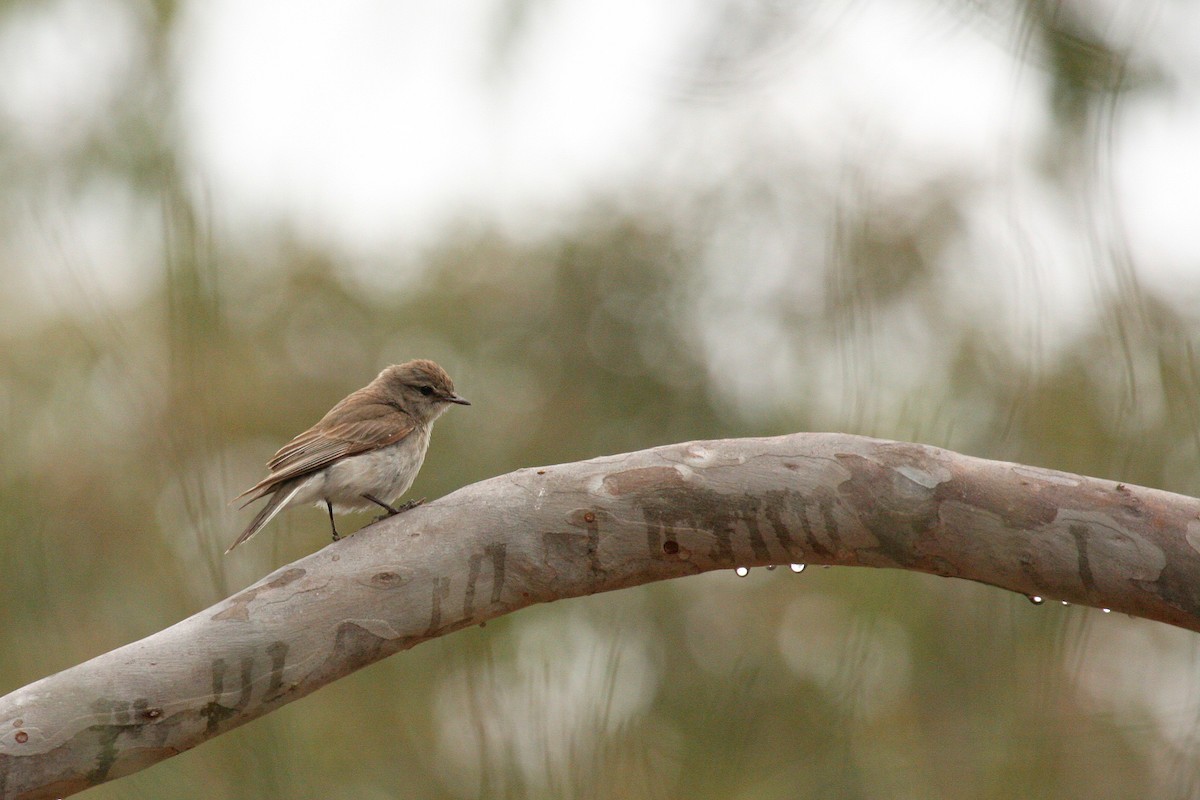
<point x="462" y="401"/>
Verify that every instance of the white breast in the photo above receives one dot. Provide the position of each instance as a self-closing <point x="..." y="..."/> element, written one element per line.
<point x="386" y="474"/>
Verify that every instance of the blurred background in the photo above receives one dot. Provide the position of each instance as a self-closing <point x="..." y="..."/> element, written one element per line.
<point x="617" y="224"/>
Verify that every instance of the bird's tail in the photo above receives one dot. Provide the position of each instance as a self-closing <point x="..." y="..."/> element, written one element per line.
<point x="277" y="502"/>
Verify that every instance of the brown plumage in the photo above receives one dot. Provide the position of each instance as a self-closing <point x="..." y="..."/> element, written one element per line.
<point x="366" y="451"/>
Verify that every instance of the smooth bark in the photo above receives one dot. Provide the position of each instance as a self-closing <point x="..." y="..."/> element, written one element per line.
<point x="574" y="529"/>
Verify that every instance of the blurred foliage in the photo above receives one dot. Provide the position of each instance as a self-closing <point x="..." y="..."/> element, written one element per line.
<point x="768" y="303"/>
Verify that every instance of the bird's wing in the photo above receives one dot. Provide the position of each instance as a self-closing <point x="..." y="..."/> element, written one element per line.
<point x="370" y="427"/>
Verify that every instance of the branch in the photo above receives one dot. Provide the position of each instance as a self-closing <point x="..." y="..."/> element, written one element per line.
<point x="575" y="529"/>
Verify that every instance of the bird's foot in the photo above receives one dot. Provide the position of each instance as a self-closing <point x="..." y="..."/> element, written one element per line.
<point x="391" y="512"/>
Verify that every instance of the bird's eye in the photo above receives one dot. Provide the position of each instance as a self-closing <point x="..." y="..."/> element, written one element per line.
<point x="427" y="390"/>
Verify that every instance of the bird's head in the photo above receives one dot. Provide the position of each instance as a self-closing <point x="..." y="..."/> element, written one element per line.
<point x="420" y="387"/>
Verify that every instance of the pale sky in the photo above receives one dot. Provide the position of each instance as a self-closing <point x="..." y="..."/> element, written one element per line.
<point x="370" y="125"/>
<point x="376" y="122"/>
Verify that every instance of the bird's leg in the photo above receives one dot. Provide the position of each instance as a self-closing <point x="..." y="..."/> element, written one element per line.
<point x="332" y="526"/>
<point x="391" y="511"/>
<point x="385" y="506"/>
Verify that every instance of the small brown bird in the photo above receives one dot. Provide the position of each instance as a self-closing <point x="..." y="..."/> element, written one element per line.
<point x="365" y="452"/>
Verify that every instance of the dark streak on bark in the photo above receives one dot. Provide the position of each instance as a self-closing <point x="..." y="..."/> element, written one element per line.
<point x="722" y="530"/>
<point x="278" y="653"/>
<point x="754" y="533"/>
<point x="1080" y="534"/>
<point x="816" y="544"/>
<point x="655" y="534"/>
<point x="595" y="571"/>
<point x="473" y="565"/>
<point x="774" y="515"/>
<point x="441" y="591"/>
<point x="829" y="521"/>
<point x="499" y="553"/>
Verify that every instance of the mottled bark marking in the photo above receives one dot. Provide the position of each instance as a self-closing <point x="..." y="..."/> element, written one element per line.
<point x="653" y="479"/>
<point x="237" y="607"/>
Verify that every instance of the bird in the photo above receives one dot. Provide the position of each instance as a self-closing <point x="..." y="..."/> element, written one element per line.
<point x="364" y="452"/>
